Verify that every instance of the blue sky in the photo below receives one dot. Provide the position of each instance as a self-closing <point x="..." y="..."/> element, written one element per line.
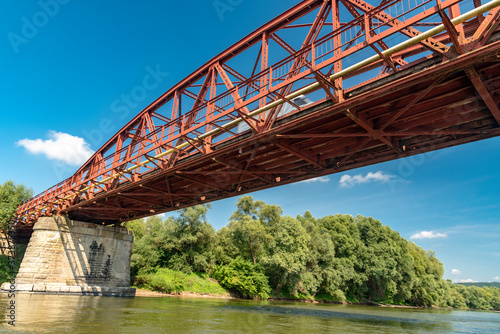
<point x="66" y="64"/>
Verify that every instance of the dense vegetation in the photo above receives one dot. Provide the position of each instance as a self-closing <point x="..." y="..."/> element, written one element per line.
<point x="263" y="253"/>
<point x="168" y="280"/>
<point x="482" y="284"/>
<point x="6" y="272"/>
<point x="11" y="195"/>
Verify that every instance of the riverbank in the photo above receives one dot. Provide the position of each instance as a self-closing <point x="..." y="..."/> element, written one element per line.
<point x="190" y="294"/>
<point x="184" y="294"/>
<point x="368" y="303"/>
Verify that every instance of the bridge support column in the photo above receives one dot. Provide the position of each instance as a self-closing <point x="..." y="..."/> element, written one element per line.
<point x="73" y="257"/>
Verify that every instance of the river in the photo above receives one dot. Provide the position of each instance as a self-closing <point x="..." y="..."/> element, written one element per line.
<point x="94" y="315"/>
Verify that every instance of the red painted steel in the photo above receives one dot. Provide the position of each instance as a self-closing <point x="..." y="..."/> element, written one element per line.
<point x="180" y="151"/>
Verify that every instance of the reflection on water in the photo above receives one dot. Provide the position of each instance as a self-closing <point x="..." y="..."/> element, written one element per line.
<point x="85" y="314"/>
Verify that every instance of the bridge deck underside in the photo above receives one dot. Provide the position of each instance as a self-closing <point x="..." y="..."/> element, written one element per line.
<point x="431" y="106"/>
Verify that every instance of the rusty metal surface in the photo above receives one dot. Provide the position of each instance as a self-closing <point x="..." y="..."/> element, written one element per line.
<point x="185" y="148"/>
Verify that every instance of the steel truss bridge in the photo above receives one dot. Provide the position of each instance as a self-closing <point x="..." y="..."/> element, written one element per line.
<point x="327" y="86"/>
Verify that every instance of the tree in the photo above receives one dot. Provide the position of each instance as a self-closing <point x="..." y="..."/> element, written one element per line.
<point x="225" y="249"/>
<point x="286" y="255"/>
<point x="194" y="242"/>
<point x="457" y="294"/>
<point x="11" y="196"/>
<point x="241" y="276"/>
<point x="146" y="250"/>
<point x="320" y="263"/>
<point x="248" y="232"/>
<point x="347" y="246"/>
<point x="345" y="257"/>
<point x="429" y="288"/>
<point x="388" y="263"/>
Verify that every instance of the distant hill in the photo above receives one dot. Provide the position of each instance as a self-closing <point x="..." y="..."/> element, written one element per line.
<point x="482" y="284"/>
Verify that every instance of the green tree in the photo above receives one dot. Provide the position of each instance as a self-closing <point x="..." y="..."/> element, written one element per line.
<point x="374" y="262"/>
<point x="145" y="251"/>
<point x="242" y="276"/>
<point x="225" y="249"/>
<point x="194" y="241"/>
<point x="428" y="288"/>
<point x="347" y="245"/>
<point x="493" y="295"/>
<point x="248" y="232"/>
<point x="286" y="255"/>
<point x="478" y="298"/>
<point x="320" y="262"/>
<point x="11" y="196"/>
<point x="387" y="262"/>
<point x="353" y="258"/>
<point x="456" y="293"/>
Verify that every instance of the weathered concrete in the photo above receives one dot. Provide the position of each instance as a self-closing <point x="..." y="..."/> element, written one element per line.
<point x="66" y="256"/>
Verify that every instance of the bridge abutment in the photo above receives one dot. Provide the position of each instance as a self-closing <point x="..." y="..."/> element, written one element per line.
<point x="72" y="257"/>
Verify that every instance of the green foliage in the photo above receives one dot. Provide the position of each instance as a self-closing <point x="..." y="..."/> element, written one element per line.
<point x="457" y="296"/>
<point x="337" y="258"/>
<point x="186" y="243"/>
<point x="171" y="281"/>
<point x="244" y="277"/>
<point x="247" y="229"/>
<point x="5" y="271"/>
<point x="149" y="238"/>
<point x="225" y="248"/>
<point x="474" y="297"/>
<point x="428" y="286"/>
<point x="192" y="248"/>
<point x="483" y="284"/>
<point x="286" y="254"/>
<point x="320" y="264"/>
<point x="11" y="196"/>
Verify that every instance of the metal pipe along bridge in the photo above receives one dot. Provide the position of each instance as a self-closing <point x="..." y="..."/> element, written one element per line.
<point x="327" y="86"/>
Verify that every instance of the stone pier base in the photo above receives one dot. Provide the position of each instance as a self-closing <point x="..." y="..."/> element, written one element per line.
<point x="73" y="257"/>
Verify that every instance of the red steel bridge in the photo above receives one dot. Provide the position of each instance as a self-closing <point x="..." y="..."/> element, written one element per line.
<point x="327" y="86"/>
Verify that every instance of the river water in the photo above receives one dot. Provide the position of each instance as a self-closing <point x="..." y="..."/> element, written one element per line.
<point x="94" y="315"/>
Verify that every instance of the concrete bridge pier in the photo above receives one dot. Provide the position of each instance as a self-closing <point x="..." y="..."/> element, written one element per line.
<point x="72" y="257"/>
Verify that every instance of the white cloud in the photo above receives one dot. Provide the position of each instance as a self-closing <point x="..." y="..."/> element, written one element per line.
<point x="468" y="280"/>
<point x="62" y="147"/>
<point x="428" y="235"/>
<point x="322" y="179"/>
<point x="496" y="278"/>
<point x="456" y="272"/>
<point x="348" y="181"/>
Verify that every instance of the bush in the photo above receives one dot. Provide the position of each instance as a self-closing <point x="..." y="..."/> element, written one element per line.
<point x="5" y="270"/>
<point x="162" y="284"/>
<point x="338" y="295"/>
<point x="243" y="277"/>
<point x="168" y="280"/>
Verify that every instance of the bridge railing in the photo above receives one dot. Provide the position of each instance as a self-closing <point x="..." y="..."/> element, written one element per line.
<point x="215" y="119"/>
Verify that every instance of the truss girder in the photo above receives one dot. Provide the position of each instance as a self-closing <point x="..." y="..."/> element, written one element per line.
<point x="186" y="147"/>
